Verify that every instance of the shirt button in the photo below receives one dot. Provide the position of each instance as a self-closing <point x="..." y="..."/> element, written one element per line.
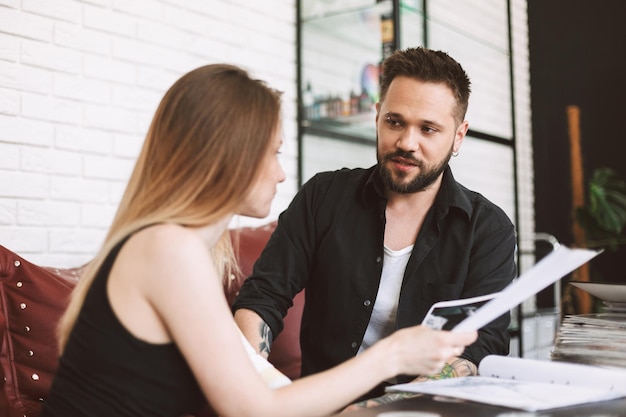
<point x="367" y="303"/>
<point x="378" y="259"/>
<point x="353" y="344"/>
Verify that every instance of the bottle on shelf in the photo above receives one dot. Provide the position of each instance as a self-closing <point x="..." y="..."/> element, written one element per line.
<point x="308" y="103"/>
<point x="365" y="102"/>
<point x="387" y="32"/>
<point x="354" y="103"/>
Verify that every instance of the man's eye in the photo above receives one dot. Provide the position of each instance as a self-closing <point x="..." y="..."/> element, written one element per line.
<point x="392" y="122"/>
<point x="427" y="129"/>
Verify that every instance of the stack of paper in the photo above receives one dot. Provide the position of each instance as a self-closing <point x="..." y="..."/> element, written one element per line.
<point x="595" y="339"/>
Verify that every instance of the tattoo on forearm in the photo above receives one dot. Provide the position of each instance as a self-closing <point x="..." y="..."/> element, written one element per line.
<point x="463" y="367"/>
<point x="391" y="397"/>
<point x="458" y="367"/>
<point x="266" y="339"/>
<point x="382" y="400"/>
<point x="455" y="368"/>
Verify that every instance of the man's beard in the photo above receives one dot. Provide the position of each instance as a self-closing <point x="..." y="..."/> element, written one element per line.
<point x="425" y="178"/>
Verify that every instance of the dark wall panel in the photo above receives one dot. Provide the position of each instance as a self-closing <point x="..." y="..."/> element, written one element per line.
<point x="577" y="57"/>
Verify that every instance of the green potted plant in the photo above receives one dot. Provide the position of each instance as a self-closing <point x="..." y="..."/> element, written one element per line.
<point x="604" y="216"/>
<point x="603" y="220"/>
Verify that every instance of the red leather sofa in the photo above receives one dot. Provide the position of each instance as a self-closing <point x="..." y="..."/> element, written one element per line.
<point x="32" y="298"/>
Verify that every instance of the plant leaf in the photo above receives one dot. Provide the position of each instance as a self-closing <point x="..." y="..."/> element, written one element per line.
<point x="607" y="200"/>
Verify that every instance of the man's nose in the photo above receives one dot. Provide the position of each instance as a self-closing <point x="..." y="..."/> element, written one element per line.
<point x="409" y="139"/>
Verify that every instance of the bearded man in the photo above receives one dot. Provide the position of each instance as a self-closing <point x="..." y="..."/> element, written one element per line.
<point x="375" y="248"/>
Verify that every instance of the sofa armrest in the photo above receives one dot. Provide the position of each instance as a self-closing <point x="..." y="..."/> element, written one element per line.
<point x="32" y="299"/>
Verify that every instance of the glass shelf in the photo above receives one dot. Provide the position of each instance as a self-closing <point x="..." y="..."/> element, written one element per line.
<point x="342" y="47"/>
<point x="360" y="128"/>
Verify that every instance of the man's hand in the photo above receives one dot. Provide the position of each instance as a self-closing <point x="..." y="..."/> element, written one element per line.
<point x="453" y="368"/>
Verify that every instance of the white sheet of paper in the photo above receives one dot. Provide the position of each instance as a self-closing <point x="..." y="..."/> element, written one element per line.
<point x="528" y="384"/>
<point x="551" y="268"/>
<point x="553" y="372"/>
<point x="523" y="395"/>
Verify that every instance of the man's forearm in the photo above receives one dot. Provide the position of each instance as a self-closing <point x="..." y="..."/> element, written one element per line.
<point x="453" y="368"/>
<point x="255" y="330"/>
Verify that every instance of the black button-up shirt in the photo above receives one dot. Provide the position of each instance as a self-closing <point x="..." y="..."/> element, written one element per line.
<point x="330" y="241"/>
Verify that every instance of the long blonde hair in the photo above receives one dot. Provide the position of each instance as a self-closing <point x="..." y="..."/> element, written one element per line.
<point x="200" y="158"/>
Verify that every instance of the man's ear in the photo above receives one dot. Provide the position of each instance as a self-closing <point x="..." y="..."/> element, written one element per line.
<point x="461" y="131"/>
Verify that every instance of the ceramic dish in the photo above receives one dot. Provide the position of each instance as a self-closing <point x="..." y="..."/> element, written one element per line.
<point x="610" y="292"/>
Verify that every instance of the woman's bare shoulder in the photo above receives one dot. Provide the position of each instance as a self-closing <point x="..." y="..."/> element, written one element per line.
<point x="168" y="239"/>
<point x="162" y="248"/>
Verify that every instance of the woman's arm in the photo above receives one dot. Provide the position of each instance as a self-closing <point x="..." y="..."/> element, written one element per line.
<point x="187" y="295"/>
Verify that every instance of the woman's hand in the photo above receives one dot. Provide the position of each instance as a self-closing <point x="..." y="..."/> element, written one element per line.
<point x="420" y="350"/>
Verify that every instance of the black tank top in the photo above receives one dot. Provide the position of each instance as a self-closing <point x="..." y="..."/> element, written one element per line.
<point x="106" y="371"/>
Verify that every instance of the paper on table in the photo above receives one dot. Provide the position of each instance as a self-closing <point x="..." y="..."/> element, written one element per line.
<point x="523" y="395"/>
<point x="560" y="373"/>
<point x="528" y="384"/>
<point x="552" y="267"/>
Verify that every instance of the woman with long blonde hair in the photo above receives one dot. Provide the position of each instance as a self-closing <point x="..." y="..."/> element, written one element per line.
<point x="148" y="331"/>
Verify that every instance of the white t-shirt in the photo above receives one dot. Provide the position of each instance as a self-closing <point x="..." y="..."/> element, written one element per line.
<point x="383" y="320"/>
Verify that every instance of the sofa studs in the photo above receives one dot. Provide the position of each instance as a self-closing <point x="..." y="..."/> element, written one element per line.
<point x="26" y="329"/>
<point x="19" y="284"/>
<point x="30" y="353"/>
<point x="22" y="306"/>
<point x="35" y="377"/>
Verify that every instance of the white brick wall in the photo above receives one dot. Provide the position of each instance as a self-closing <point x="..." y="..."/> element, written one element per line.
<point x="79" y="81"/>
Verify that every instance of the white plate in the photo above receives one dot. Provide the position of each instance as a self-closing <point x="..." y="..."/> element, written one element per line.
<point x="611" y="292"/>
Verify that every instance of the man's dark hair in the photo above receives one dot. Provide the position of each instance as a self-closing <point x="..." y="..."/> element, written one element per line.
<point x="429" y="66"/>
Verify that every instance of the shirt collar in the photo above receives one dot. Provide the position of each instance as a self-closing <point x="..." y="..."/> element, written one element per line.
<point x="373" y="190"/>
<point x="450" y="195"/>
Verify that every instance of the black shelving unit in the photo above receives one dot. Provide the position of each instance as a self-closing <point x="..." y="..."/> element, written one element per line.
<point x="338" y="39"/>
